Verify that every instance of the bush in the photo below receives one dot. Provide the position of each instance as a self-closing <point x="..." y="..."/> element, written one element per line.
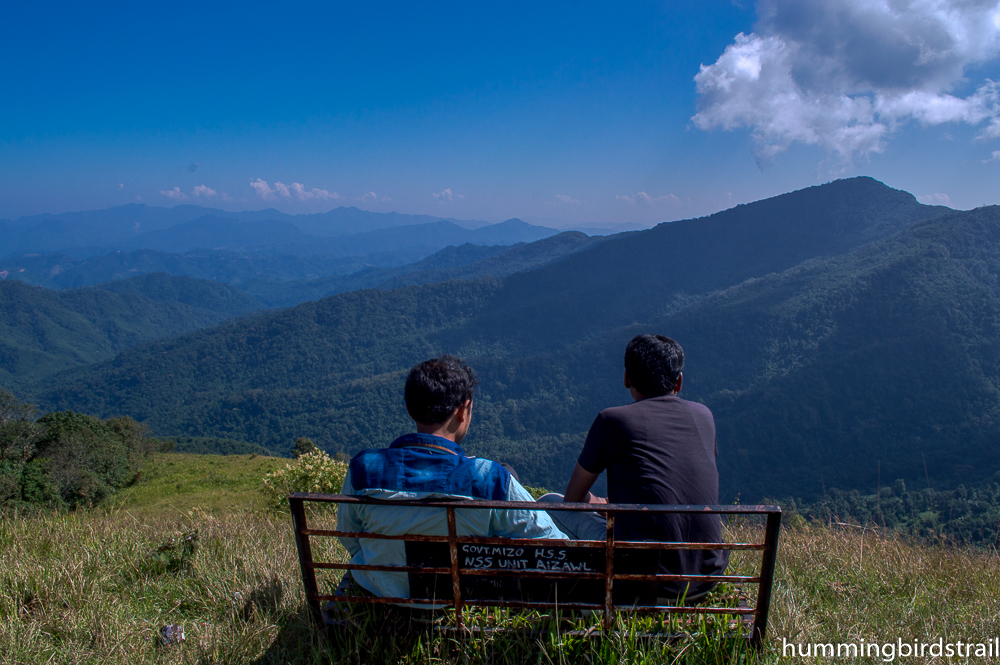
<point x="312" y="472"/>
<point x="65" y="459"/>
<point x="89" y="459"/>
<point x="303" y="446"/>
<point x="18" y="435"/>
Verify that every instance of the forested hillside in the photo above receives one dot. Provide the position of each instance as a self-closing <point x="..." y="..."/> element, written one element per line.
<point x="60" y="271"/>
<point x="819" y="325"/>
<point x="467" y="261"/>
<point x="43" y="331"/>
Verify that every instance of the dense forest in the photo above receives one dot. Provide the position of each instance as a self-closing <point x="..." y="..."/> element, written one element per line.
<point x="65" y="459"/>
<point x="961" y="516"/>
<point x="811" y="322"/>
<point x="466" y="261"/>
<point x="43" y="331"/>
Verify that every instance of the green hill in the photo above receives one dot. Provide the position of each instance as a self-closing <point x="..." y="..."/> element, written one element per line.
<point x="463" y="262"/>
<point x="60" y="271"/>
<point x="43" y="331"/>
<point x="766" y="298"/>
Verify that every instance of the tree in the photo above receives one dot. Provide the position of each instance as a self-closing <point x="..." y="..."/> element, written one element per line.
<point x="303" y="446"/>
<point x="18" y="435"/>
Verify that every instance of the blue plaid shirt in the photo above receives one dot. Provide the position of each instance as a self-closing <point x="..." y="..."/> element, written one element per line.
<point x="423" y="466"/>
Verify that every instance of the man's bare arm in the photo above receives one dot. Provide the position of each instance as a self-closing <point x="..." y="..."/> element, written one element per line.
<point x="578" y="489"/>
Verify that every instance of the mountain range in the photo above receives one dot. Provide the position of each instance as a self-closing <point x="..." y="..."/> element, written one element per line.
<point x="338" y="233"/>
<point x="844" y="335"/>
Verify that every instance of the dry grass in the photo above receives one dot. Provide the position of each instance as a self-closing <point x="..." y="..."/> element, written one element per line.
<point x="79" y="588"/>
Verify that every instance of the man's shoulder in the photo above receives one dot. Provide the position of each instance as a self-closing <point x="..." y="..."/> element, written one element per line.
<point x="421" y="471"/>
<point x="654" y="403"/>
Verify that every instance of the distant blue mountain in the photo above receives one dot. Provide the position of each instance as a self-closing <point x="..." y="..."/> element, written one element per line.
<point x="88" y="233"/>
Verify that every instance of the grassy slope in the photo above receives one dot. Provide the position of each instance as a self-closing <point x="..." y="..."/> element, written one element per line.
<point x="174" y="483"/>
<point x="77" y="588"/>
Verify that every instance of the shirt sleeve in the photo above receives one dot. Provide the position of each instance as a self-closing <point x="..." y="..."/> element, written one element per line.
<point x="347" y="518"/>
<point x="523" y="523"/>
<point x="596" y="449"/>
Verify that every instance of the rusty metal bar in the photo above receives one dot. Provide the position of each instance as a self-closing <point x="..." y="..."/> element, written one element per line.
<point x="541" y="574"/>
<point x="297" y="507"/>
<point x="565" y="575"/>
<point x="609" y="568"/>
<point x="456" y="586"/>
<point x="524" y="604"/>
<point x="650" y="545"/>
<point x="382" y="568"/>
<point x="772" y="531"/>
<point x="376" y="536"/>
<point x="533" y="505"/>
<point x="539" y="542"/>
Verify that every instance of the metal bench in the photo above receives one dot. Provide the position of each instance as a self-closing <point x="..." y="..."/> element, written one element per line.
<point x="460" y="571"/>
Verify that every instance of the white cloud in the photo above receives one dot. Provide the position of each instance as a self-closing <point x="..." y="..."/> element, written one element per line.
<point x="175" y="194"/>
<point x="446" y="195"/>
<point x="372" y="196"/>
<point x="995" y="157"/>
<point x="304" y="194"/>
<point x="935" y="199"/>
<point x="121" y="186"/>
<point x="846" y="74"/>
<point x="568" y="199"/>
<point x="643" y="197"/>
<point x="227" y="198"/>
<point x="263" y="190"/>
<point x="203" y="191"/>
<point x="269" y="193"/>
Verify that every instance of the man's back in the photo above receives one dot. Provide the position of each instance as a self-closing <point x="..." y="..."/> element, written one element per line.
<point x="661" y="450"/>
<point x="422" y="466"/>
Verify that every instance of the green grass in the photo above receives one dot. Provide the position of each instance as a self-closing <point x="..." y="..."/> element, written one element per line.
<point x="175" y="483"/>
<point x="82" y="588"/>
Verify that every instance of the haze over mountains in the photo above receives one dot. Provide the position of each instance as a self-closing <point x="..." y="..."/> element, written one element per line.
<point x="341" y="232"/>
<point x="844" y="335"/>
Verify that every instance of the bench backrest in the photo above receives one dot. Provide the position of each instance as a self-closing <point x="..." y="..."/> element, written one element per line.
<point x="455" y="570"/>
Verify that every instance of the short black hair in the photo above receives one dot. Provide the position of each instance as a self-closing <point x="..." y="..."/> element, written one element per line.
<point x="654" y="363"/>
<point x="436" y="387"/>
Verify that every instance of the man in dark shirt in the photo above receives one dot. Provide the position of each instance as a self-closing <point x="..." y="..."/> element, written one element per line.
<point x="660" y="449"/>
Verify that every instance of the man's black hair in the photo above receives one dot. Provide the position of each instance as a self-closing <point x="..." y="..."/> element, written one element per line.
<point x="654" y="363"/>
<point x="436" y="387"/>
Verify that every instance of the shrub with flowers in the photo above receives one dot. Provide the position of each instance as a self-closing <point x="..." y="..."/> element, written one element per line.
<point x="312" y="472"/>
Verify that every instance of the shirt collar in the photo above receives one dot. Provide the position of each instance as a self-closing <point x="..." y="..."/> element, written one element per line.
<point x="417" y="439"/>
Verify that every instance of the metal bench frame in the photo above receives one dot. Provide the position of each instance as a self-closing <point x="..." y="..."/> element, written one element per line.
<point x="764" y="579"/>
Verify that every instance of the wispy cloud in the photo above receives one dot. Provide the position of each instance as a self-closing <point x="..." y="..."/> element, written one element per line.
<point x="193" y="167"/>
<point x="304" y="194"/>
<point x="263" y="190"/>
<point x="995" y="157"/>
<point x="373" y="197"/>
<point x="121" y="186"/>
<point x="175" y="194"/>
<point x="937" y="199"/>
<point x="846" y="74"/>
<point x="565" y="198"/>
<point x="643" y="197"/>
<point x="446" y="195"/>
<point x="201" y="191"/>
<point x="268" y="193"/>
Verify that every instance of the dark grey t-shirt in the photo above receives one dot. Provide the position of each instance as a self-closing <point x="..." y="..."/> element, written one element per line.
<point x="661" y="450"/>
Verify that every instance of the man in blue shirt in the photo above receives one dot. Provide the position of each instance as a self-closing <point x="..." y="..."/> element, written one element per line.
<point x="430" y="464"/>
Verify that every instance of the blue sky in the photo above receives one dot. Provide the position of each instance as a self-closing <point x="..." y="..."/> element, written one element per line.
<point x="562" y="113"/>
